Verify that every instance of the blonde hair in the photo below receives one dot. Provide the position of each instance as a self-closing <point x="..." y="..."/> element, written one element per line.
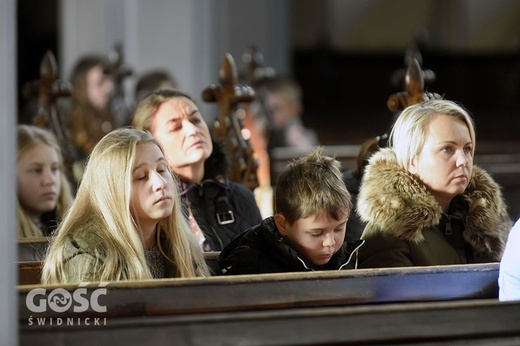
<point x="409" y="131"/>
<point x="311" y="185"/>
<point x="28" y="137"/>
<point x="104" y="197"/>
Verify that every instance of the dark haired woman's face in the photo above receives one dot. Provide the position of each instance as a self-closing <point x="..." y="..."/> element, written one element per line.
<point x="182" y="132"/>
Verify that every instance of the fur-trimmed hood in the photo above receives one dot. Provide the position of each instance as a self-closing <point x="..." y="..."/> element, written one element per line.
<point x="394" y="202"/>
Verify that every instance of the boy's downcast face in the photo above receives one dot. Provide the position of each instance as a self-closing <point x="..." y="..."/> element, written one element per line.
<point x="316" y="238"/>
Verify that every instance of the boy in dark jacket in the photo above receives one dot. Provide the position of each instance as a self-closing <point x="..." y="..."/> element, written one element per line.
<point x="307" y="232"/>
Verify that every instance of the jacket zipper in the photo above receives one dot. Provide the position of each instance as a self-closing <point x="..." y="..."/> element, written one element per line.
<point x="448" y="231"/>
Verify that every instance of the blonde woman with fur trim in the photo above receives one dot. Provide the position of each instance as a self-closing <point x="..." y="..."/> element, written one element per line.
<point x="424" y="201"/>
<point x="44" y="193"/>
<point x="126" y="222"/>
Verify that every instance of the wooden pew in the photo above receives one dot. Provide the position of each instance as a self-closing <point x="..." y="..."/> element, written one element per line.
<point x="29" y="272"/>
<point x="282" y="290"/>
<point x="286" y="308"/>
<point x="32" y="249"/>
<point x="477" y="322"/>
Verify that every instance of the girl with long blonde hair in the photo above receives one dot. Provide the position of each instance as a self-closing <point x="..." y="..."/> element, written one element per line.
<point x="126" y="222"/>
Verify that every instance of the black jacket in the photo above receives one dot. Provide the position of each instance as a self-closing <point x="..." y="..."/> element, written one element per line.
<point x="223" y="209"/>
<point x="355" y="226"/>
<point x="261" y="250"/>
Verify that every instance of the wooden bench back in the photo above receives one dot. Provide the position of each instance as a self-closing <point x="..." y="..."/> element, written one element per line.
<point x="444" y="303"/>
<point x="476" y="322"/>
<point x="32" y="249"/>
<point x="284" y="290"/>
<point x="29" y="272"/>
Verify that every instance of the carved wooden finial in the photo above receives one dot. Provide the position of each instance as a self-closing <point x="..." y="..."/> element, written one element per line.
<point x="414" y="84"/>
<point x="398" y="77"/>
<point x="228" y="94"/>
<point x="227" y="126"/>
<point x="48" y="68"/>
<point x="48" y="89"/>
<point x="253" y="69"/>
<point x="414" y="81"/>
<point x="118" y="71"/>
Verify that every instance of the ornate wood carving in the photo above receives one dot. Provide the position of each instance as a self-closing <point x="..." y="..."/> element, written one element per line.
<point x="48" y="89"/>
<point x="414" y="83"/>
<point x="118" y="71"/>
<point x="227" y="126"/>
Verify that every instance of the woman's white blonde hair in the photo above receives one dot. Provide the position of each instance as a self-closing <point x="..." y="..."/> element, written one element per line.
<point x="103" y="203"/>
<point x="409" y="131"/>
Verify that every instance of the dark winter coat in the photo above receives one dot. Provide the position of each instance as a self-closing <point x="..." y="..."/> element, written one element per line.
<point x="407" y="227"/>
<point x="355" y="226"/>
<point x="222" y="209"/>
<point x="262" y="249"/>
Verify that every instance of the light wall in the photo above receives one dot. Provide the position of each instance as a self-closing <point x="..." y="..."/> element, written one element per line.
<point x="187" y="37"/>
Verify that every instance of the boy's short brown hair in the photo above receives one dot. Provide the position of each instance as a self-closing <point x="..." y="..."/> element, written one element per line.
<point x="312" y="185"/>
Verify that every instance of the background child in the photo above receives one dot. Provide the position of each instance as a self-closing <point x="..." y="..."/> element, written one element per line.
<point x="90" y="116"/>
<point x="307" y="232"/>
<point x="126" y="222"/>
<point x="44" y="194"/>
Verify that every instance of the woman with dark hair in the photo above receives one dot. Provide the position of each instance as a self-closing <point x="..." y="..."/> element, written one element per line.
<point x="218" y="209"/>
